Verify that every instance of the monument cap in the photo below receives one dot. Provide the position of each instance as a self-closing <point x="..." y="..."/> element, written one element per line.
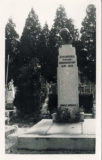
<point x="66" y="36"/>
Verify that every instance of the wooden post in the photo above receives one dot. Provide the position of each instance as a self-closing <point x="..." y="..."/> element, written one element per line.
<point x="7" y="70"/>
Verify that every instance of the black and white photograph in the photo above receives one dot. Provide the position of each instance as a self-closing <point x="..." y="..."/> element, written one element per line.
<point x="52" y="77"/>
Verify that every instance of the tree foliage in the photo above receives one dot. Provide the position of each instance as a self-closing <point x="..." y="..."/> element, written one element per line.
<point x="28" y="80"/>
<point x="44" y="52"/>
<point x="11" y="48"/>
<point x="60" y="21"/>
<point x="33" y="59"/>
<point x="88" y="39"/>
<point x="28" y="94"/>
<point x="30" y="37"/>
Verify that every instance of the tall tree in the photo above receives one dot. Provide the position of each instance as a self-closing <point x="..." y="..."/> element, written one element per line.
<point x="28" y="80"/>
<point x="88" y="39"/>
<point x="11" y="49"/>
<point x="28" y="92"/>
<point x="44" y="51"/>
<point x="30" y="37"/>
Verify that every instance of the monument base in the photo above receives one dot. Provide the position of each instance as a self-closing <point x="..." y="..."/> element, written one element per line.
<point x="67" y="115"/>
<point x="48" y="136"/>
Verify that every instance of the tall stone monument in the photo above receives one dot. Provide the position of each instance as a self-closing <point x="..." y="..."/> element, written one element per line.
<point x="62" y="138"/>
<point x="67" y="79"/>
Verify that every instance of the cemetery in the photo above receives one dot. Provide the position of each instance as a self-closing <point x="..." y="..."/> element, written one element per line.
<point x="63" y="120"/>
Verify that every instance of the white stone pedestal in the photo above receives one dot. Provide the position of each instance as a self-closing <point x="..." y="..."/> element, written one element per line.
<point x="56" y="137"/>
<point x="67" y="79"/>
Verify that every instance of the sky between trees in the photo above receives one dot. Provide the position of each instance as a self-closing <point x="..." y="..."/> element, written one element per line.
<point x="45" y="9"/>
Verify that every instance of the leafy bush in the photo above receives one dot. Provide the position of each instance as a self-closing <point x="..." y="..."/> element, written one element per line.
<point x="67" y="115"/>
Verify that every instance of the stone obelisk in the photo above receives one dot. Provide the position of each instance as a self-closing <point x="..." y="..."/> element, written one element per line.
<point x="67" y="77"/>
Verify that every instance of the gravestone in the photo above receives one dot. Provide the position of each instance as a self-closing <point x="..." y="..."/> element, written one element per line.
<point x="49" y="137"/>
<point x="67" y="78"/>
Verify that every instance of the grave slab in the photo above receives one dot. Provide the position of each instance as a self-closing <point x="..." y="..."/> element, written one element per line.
<point x="56" y="136"/>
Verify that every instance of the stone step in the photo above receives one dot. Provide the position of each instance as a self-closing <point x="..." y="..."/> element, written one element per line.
<point x="49" y="136"/>
<point x="88" y="116"/>
<point x="84" y="143"/>
<point x="10" y="129"/>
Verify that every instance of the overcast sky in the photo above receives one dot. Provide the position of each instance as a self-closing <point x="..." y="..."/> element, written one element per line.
<point x="45" y="9"/>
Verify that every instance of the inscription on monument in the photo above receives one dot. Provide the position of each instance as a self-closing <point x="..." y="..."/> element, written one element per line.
<point x="67" y="105"/>
<point x="67" y="61"/>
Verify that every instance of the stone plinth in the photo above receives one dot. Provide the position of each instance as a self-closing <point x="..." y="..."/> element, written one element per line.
<point x="67" y="79"/>
<point x="49" y="136"/>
